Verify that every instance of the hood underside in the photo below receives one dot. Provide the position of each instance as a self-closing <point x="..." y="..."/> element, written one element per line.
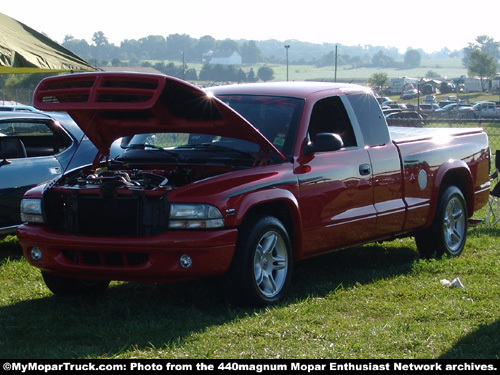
<point x="107" y="106"/>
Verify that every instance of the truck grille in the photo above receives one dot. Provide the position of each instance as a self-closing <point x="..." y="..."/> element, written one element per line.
<point x="136" y="215"/>
<point x="97" y="216"/>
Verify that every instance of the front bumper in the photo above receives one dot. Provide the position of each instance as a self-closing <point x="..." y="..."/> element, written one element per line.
<point x="146" y="258"/>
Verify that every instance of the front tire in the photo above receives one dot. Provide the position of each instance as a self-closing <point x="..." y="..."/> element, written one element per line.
<point x="66" y="286"/>
<point x="448" y="231"/>
<point x="262" y="266"/>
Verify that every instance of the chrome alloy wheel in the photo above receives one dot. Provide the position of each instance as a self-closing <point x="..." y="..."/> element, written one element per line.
<point x="271" y="264"/>
<point x="454" y="225"/>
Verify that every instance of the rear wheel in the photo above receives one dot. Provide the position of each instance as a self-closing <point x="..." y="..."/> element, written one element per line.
<point x="262" y="264"/>
<point x="66" y="286"/>
<point x="448" y="231"/>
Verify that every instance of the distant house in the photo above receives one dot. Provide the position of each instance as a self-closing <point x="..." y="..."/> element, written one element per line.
<point x="223" y="57"/>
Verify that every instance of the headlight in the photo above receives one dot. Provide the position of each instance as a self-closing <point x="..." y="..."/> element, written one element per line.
<point x="194" y="216"/>
<point x="31" y="210"/>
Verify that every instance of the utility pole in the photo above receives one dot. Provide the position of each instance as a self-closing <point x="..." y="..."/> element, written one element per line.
<point x="183" y="66"/>
<point x="287" y="46"/>
<point x="336" y="62"/>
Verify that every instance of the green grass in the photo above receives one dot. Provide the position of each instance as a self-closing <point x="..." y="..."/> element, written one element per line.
<point x="374" y="301"/>
<point x="449" y="68"/>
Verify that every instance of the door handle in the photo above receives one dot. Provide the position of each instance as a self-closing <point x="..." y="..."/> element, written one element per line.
<point x="364" y="169"/>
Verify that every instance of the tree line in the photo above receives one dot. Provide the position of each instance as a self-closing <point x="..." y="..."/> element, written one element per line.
<point x="213" y="73"/>
<point x="182" y="47"/>
<point x="177" y="47"/>
<point x="174" y="47"/>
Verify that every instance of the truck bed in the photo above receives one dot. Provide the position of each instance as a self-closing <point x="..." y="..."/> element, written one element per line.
<point x="401" y="134"/>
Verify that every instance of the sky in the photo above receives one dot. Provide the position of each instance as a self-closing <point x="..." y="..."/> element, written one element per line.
<point x="428" y="24"/>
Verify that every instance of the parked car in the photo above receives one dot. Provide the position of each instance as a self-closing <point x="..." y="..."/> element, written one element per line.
<point x="394" y="105"/>
<point x="405" y="118"/>
<point x="454" y="110"/>
<point x="428" y="108"/>
<point x="444" y="103"/>
<point x="16" y="108"/>
<point x="486" y="109"/>
<point x="36" y="147"/>
<point x="410" y="94"/>
<point x="429" y="99"/>
<point x="388" y="111"/>
<point x="382" y="99"/>
<point x="241" y="182"/>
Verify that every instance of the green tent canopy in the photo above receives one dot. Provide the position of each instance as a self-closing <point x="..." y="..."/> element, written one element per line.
<point x="24" y="50"/>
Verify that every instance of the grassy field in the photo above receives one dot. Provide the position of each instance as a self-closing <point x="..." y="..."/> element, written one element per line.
<point x="449" y="68"/>
<point x="443" y="67"/>
<point x="374" y="301"/>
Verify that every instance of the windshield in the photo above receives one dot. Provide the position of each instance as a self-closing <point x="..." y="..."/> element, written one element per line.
<point x="276" y="118"/>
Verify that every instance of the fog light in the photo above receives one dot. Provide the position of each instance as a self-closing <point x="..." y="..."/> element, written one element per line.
<point x="36" y="254"/>
<point x="185" y="261"/>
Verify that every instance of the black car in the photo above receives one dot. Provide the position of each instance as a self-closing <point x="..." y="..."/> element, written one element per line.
<point x="405" y="118"/>
<point x="36" y="147"/>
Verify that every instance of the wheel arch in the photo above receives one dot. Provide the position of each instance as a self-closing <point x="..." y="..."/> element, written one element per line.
<point x="453" y="173"/>
<point x="279" y="203"/>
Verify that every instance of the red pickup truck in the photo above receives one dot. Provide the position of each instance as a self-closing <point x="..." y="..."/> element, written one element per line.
<point x="240" y="181"/>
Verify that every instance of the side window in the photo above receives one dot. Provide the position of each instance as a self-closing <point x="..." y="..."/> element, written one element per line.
<point x="330" y="116"/>
<point x="31" y="139"/>
<point x="24" y="128"/>
<point x="370" y="118"/>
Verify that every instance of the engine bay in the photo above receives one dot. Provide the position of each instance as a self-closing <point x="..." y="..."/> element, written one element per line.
<point x="136" y="178"/>
<point x="120" y="201"/>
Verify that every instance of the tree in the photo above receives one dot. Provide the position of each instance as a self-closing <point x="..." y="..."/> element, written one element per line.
<point x="205" y="44"/>
<point x="78" y="46"/>
<point x="242" y="77"/>
<point x="177" y="45"/>
<point x="153" y="47"/>
<point x="265" y="73"/>
<point x="482" y="65"/>
<point x="250" y="53"/>
<point x="412" y="59"/>
<point x="378" y="80"/>
<point x="100" y="39"/>
<point x="206" y="72"/>
<point x="228" y="45"/>
<point x="251" y="76"/>
<point x="102" y="49"/>
<point x="191" y="75"/>
<point x="381" y="60"/>
<point x="485" y="44"/>
<point x="327" y="60"/>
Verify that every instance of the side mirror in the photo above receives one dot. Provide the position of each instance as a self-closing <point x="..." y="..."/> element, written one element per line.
<point x="324" y="142"/>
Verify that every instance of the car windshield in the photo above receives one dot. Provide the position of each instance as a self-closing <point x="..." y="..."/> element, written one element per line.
<point x="276" y="118"/>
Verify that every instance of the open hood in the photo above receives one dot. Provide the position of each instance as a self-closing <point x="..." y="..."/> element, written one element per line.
<point x="107" y="106"/>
